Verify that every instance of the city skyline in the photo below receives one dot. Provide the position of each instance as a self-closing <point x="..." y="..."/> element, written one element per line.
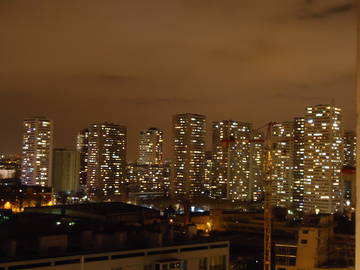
<point x="180" y="135"/>
<point x="214" y="63"/>
<point x="309" y="155"/>
<point x="167" y="138"/>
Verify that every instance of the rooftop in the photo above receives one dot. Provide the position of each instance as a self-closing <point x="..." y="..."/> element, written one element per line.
<point x="106" y="208"/>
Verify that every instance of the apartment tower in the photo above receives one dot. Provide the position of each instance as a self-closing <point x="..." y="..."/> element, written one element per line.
<point x="323" y="159"/>
<point x="350" y="149"/>
<point x="37" y="151"/>
<point x="151" y="147"/>
<point x="66" y="167"/>
<point x="106" y="159"/>
<point x="283" y="163"/>
<point x="256" y="165"/>
<point x="189" y="155"/>
<point x="299" y="154"/>
<point x="231" y="160"/>
<point x="82" y="146"/>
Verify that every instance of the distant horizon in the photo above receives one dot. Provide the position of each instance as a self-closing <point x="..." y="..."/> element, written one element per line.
<point x="168" y="143"/>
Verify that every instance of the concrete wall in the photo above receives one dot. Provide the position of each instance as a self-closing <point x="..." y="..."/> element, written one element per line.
<point x="66" y="170"/>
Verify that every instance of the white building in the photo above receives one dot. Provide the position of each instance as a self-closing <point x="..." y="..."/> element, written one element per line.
<point x="106" y="159"/>
<point x="37" y="151"/>
<point x="7" y="173"/>
<point x="151" y="147"/>
<point x="208" y="172"/>
<point x="149" y="178"/>
<point x="299" y="153"/>
<point x="256" y="165"/>
<point x="82" y="146"/>
<point x="188" y="174"/>
<point x="323" y="159"/>
<point x="231" y="160"/>
<point x="317" y="247"/>
<point x="283" y="164"/>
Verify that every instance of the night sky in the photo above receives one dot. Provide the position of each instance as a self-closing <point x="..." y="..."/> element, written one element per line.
<point x="138" y="62"/>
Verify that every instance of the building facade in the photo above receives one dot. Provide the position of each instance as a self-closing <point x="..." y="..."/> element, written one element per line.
<point x="231" y="160"/>
<point x="299" y="154"/>
<point x="106" y="159"/>
<point x="151" y="147"/>
<point x="82" y="146"/>
<point x="256" y="165"/>
<point x="189" y="155"/>
<point x="66" y="167"/>
<point x="350" y="149"/>
<point x="283" y="164"/>
<point x="37" y="151"/>
<point x="208" y="172"/>
<point x="211" y="255"/>
<point x="317" y="247"/>
<point x="149" y="178"/>
<point x="323" y="159"/>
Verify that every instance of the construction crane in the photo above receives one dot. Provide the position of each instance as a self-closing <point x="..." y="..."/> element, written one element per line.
<point x="268" y="147"/>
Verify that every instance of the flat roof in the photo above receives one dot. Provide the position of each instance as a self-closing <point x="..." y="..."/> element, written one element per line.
<point x="105" y="208"/>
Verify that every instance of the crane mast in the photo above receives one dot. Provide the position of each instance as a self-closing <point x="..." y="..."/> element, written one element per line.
<point x="268" y="145"/>
<point x="268" y="149"/>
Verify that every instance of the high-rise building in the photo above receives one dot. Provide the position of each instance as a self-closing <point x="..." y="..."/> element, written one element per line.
<point x="82" y="146"/>
<point x="231" y="160"/>
<point x="349" y="169"/>
<point x="189" y="155"/>
<point x="298" y="170"/>
<point x="349" y="182"/>
<point x="37" y="151"/>
<point x="151" y="147"/>
<point x="208" y="172"/>
<point x="66" y="166"/>
<point x="323" y="159"/>
<point x="350" y="149"/>
<point x="283" y="163"/>
<point x="256" y="165"/>
<point x="106" y="160"/>
<point x="149" y="178"/>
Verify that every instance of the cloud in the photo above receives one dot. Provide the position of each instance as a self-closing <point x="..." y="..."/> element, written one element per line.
<point x="334" y="10"/>
<point x="295" y="95"/>
<point x="321" y="9"/>
<point x="138" y="62"/>
<point x="158" y="101"/>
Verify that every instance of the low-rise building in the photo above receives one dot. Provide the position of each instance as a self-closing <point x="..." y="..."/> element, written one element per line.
<point x="248" y="222"/>
<point x="203" y="256"/>
<point x="144" y="178"/>
<point x="10" y="166"/>
<point x="109" y="212"/>
<point x="16" y="196"/>
<point x="316" y="248"/>
<point x="104" y="236"/>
